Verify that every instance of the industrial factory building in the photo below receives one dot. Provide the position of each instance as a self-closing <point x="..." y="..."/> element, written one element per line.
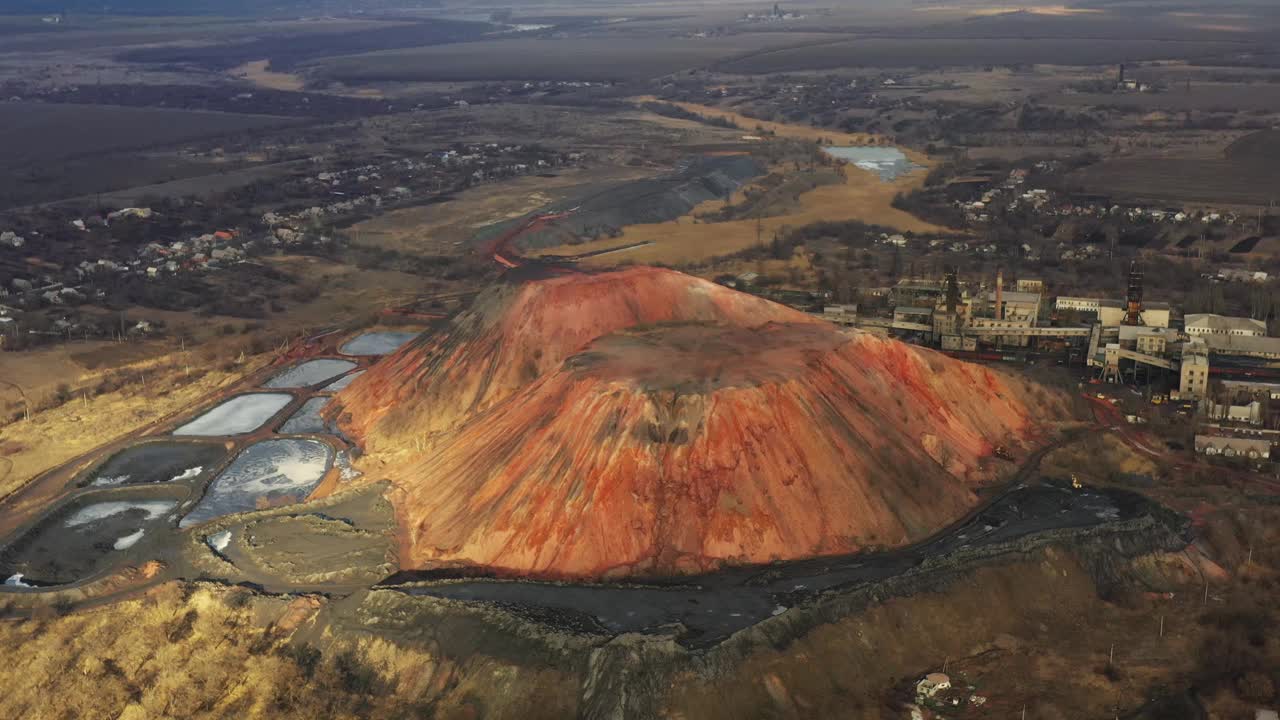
<point x="1122" y="341"/>
<point x="1111" y="313"/>
<point x="1219" y="325"/>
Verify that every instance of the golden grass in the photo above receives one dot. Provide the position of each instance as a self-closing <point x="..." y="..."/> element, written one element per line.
<point x="213" y="652"/>
<point x="55" y="436"/>
<point x="751" y="126"/>
<point x="256" y="72"/>
<point x="1095" y="460"/>
<point x="862" y="197"/>
<point x="446" y="228"/>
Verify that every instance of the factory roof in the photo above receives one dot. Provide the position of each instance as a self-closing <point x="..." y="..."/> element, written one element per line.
<point x="1224" y="323"/>
<point x="1132" y="332"/>
<point x="1243" y="345"/>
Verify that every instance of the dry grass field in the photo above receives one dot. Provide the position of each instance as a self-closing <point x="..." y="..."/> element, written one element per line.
<point x="38" y="133"/>
<point x="959" y="52"/>
<point x="258" y="73"/>
<point x="797" y="132"/>
<point x="861" y="197"/>
<point x="686" y="240"/>
<point x="1186" y="181"/>
<point x="211" y="652"/>
<point x="153" y="389"/>
<point x="446" y="228"/>
<point x="587" y="58"/>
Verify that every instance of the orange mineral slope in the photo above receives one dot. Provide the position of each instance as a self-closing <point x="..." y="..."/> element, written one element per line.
<point x="744" y="435"/>
<point x="519" y="330"/>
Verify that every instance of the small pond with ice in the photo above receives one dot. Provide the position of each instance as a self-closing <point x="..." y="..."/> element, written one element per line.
<point x="889" y="163"/>
<point x="311" y="372"/>
<point x="240" y="414"/>
<point x="266" y="474"/>
<point x="377" y="343"/>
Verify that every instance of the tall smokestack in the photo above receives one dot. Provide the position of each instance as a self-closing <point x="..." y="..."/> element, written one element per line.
<point x="999" y="294"/>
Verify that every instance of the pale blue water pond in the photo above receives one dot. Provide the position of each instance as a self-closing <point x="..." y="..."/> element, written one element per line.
<point x="312" y="372"/>
<point x="888" y="163"/>
<point x="377" y="343"/>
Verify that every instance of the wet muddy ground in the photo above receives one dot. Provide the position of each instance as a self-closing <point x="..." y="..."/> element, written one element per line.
<point x="157" y="462"/>
<point x="84" y="538"/>
<point x="350" y="540"/>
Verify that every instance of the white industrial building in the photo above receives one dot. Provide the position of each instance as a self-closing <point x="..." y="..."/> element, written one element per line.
<point x="1080" y="304"/>
<point x="1265" y="348"/>
<point x="1111" y="313"/>
<point x="1147" y="340"/>
<point x="1206" y="324"/>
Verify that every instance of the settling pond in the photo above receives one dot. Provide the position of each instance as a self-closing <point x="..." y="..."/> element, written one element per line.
<point x="311" y="372"/>
<point x="240" y="414"/>
<point x="377" y="343"/>
<point x="266" y="474"/>
<point x="889" y="163"/>
<point x="82" y="539"/>
<point x="307" y="420"/>
<point x="157" y="462"/>
<point x="342" y="383"/>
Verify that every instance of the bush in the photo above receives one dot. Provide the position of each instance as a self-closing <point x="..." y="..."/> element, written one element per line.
<point x="1256" y="687"/>
<point x="358" y="678"/>
<point x="305" y="656"/>
<point x="184" y="627"/>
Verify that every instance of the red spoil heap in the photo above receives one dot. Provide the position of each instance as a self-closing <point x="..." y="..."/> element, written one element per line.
<point x="644" y="422"/>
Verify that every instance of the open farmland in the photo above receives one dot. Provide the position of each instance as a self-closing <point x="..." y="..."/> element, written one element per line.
<point x="1262" y="146"/>
<point x="687" y="239"/>
<point x="47" y="155"/>
<point x="36" y="133"/>
<point x="930" y="53"/>
<point x="85" y="32"/>
<point x="287" y="50"/>
<point x="1178" y="180"/>
<point x="1224" y="97"/>
<point x="586" y="59"/>
<point x="445" y="228"/>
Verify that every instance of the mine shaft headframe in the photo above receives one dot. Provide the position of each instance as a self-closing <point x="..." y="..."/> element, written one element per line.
<point x="952" y="290"/>
<point x="1133" y="310"/>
